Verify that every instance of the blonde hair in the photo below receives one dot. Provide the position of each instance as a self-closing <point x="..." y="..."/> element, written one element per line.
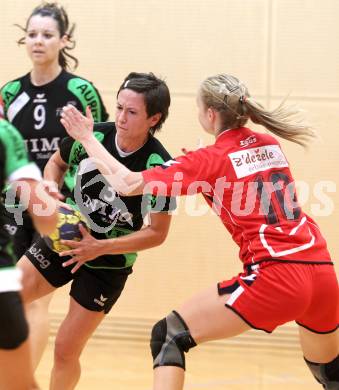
<point x="230" y="97"/>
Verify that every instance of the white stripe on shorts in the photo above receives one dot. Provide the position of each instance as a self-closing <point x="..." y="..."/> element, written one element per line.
<point x="235" y="295"/>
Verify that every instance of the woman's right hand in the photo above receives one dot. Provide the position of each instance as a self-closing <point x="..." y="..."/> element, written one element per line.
<point x="77" y="125"/>
<point x="200" y="144"/>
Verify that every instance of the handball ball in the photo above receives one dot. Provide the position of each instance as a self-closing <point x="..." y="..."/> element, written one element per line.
<point x="67" y="229"/>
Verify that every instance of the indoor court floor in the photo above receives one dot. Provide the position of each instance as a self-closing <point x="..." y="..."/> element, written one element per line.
<point x="123" y="365"/>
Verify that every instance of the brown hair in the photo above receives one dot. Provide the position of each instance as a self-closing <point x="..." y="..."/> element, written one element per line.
<point x="58" y="13"/>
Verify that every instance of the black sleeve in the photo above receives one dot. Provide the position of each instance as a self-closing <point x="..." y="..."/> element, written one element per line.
<point x="65" y="148"/>
<point x="161" y="203"/>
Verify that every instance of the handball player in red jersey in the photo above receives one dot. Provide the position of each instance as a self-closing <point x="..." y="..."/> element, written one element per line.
<point x="245" y="177"/>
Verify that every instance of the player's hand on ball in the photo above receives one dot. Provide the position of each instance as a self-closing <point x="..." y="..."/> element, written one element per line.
<point x="65" y="205"/>
<point x="81" y="251"/>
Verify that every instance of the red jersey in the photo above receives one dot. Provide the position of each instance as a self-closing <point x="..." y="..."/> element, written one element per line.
<point x="245" y="178"/>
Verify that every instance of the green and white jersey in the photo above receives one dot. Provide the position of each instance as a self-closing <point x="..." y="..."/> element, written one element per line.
<point x="14" y="165"/>
<point x="14" y="161"/>
<point x="35" y="112"/>
<point x="109" y="214"/>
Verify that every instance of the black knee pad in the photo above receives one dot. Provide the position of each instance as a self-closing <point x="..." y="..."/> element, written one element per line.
<point x="170" y="339"/>
<point x="326" y="373"/>
<point x="13" y="325"/>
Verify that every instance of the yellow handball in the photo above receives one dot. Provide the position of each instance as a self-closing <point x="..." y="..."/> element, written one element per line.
<point x="67" y="229"/>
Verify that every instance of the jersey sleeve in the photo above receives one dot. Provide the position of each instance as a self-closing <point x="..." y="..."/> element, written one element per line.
<point x="159" y="203"/>
<point x="7" y="95"/>
<point x="2" y="165"/>
<point x="185" y="175"/>
<point x="88" y="95"/>
<point x="15" y="162"/>
<point x="2" y="107"/>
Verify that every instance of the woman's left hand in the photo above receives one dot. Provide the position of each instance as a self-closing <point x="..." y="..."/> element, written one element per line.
<point x="52" y="189"/>
<point x="81" y="251"/>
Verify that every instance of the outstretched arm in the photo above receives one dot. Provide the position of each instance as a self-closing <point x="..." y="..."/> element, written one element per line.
<point x="80" y="127"/>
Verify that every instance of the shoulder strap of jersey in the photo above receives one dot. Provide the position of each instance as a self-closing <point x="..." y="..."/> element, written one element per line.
<point x="77" y="152"/>
<point x="16" y="155"/>
<point x="9" y="92"/>
<point x="87" y="95"/>
<point x="154" y="160"/>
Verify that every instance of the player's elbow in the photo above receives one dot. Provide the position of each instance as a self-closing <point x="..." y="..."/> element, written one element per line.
<point x="160" y="237"/>
<point x="55" y="167"/>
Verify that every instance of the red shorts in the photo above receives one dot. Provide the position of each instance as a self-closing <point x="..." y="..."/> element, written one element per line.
<point x="276" y="293"/>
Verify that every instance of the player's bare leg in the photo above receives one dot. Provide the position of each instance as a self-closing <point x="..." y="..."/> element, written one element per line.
<point x="321" y="352"/>
<point x="38" y="319"/>
<point x="72" y="337"/>
<point x="34" y="285"/>
<point x="317" y="347"/>
<point x="207" y="318"/>
<point x="15" y="369"/>
<point x="16" y="372"/>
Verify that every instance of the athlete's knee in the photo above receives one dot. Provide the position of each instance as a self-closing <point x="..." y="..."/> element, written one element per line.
<point x="63" y="351"/>
<point x="67" y="349"/>
<point x="39" y="307"/>
<point x="13" y="325"/>
<point x="326" y="373"/>
<point x="170" y="339"/>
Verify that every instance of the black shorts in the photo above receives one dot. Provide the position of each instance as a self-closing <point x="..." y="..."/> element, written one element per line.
<point x="22" y="235"/>
<point x="13" y="324"/>
<point x="96" y="289"/>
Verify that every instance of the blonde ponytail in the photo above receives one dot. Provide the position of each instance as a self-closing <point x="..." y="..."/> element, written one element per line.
<point x="230" y="97"/>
